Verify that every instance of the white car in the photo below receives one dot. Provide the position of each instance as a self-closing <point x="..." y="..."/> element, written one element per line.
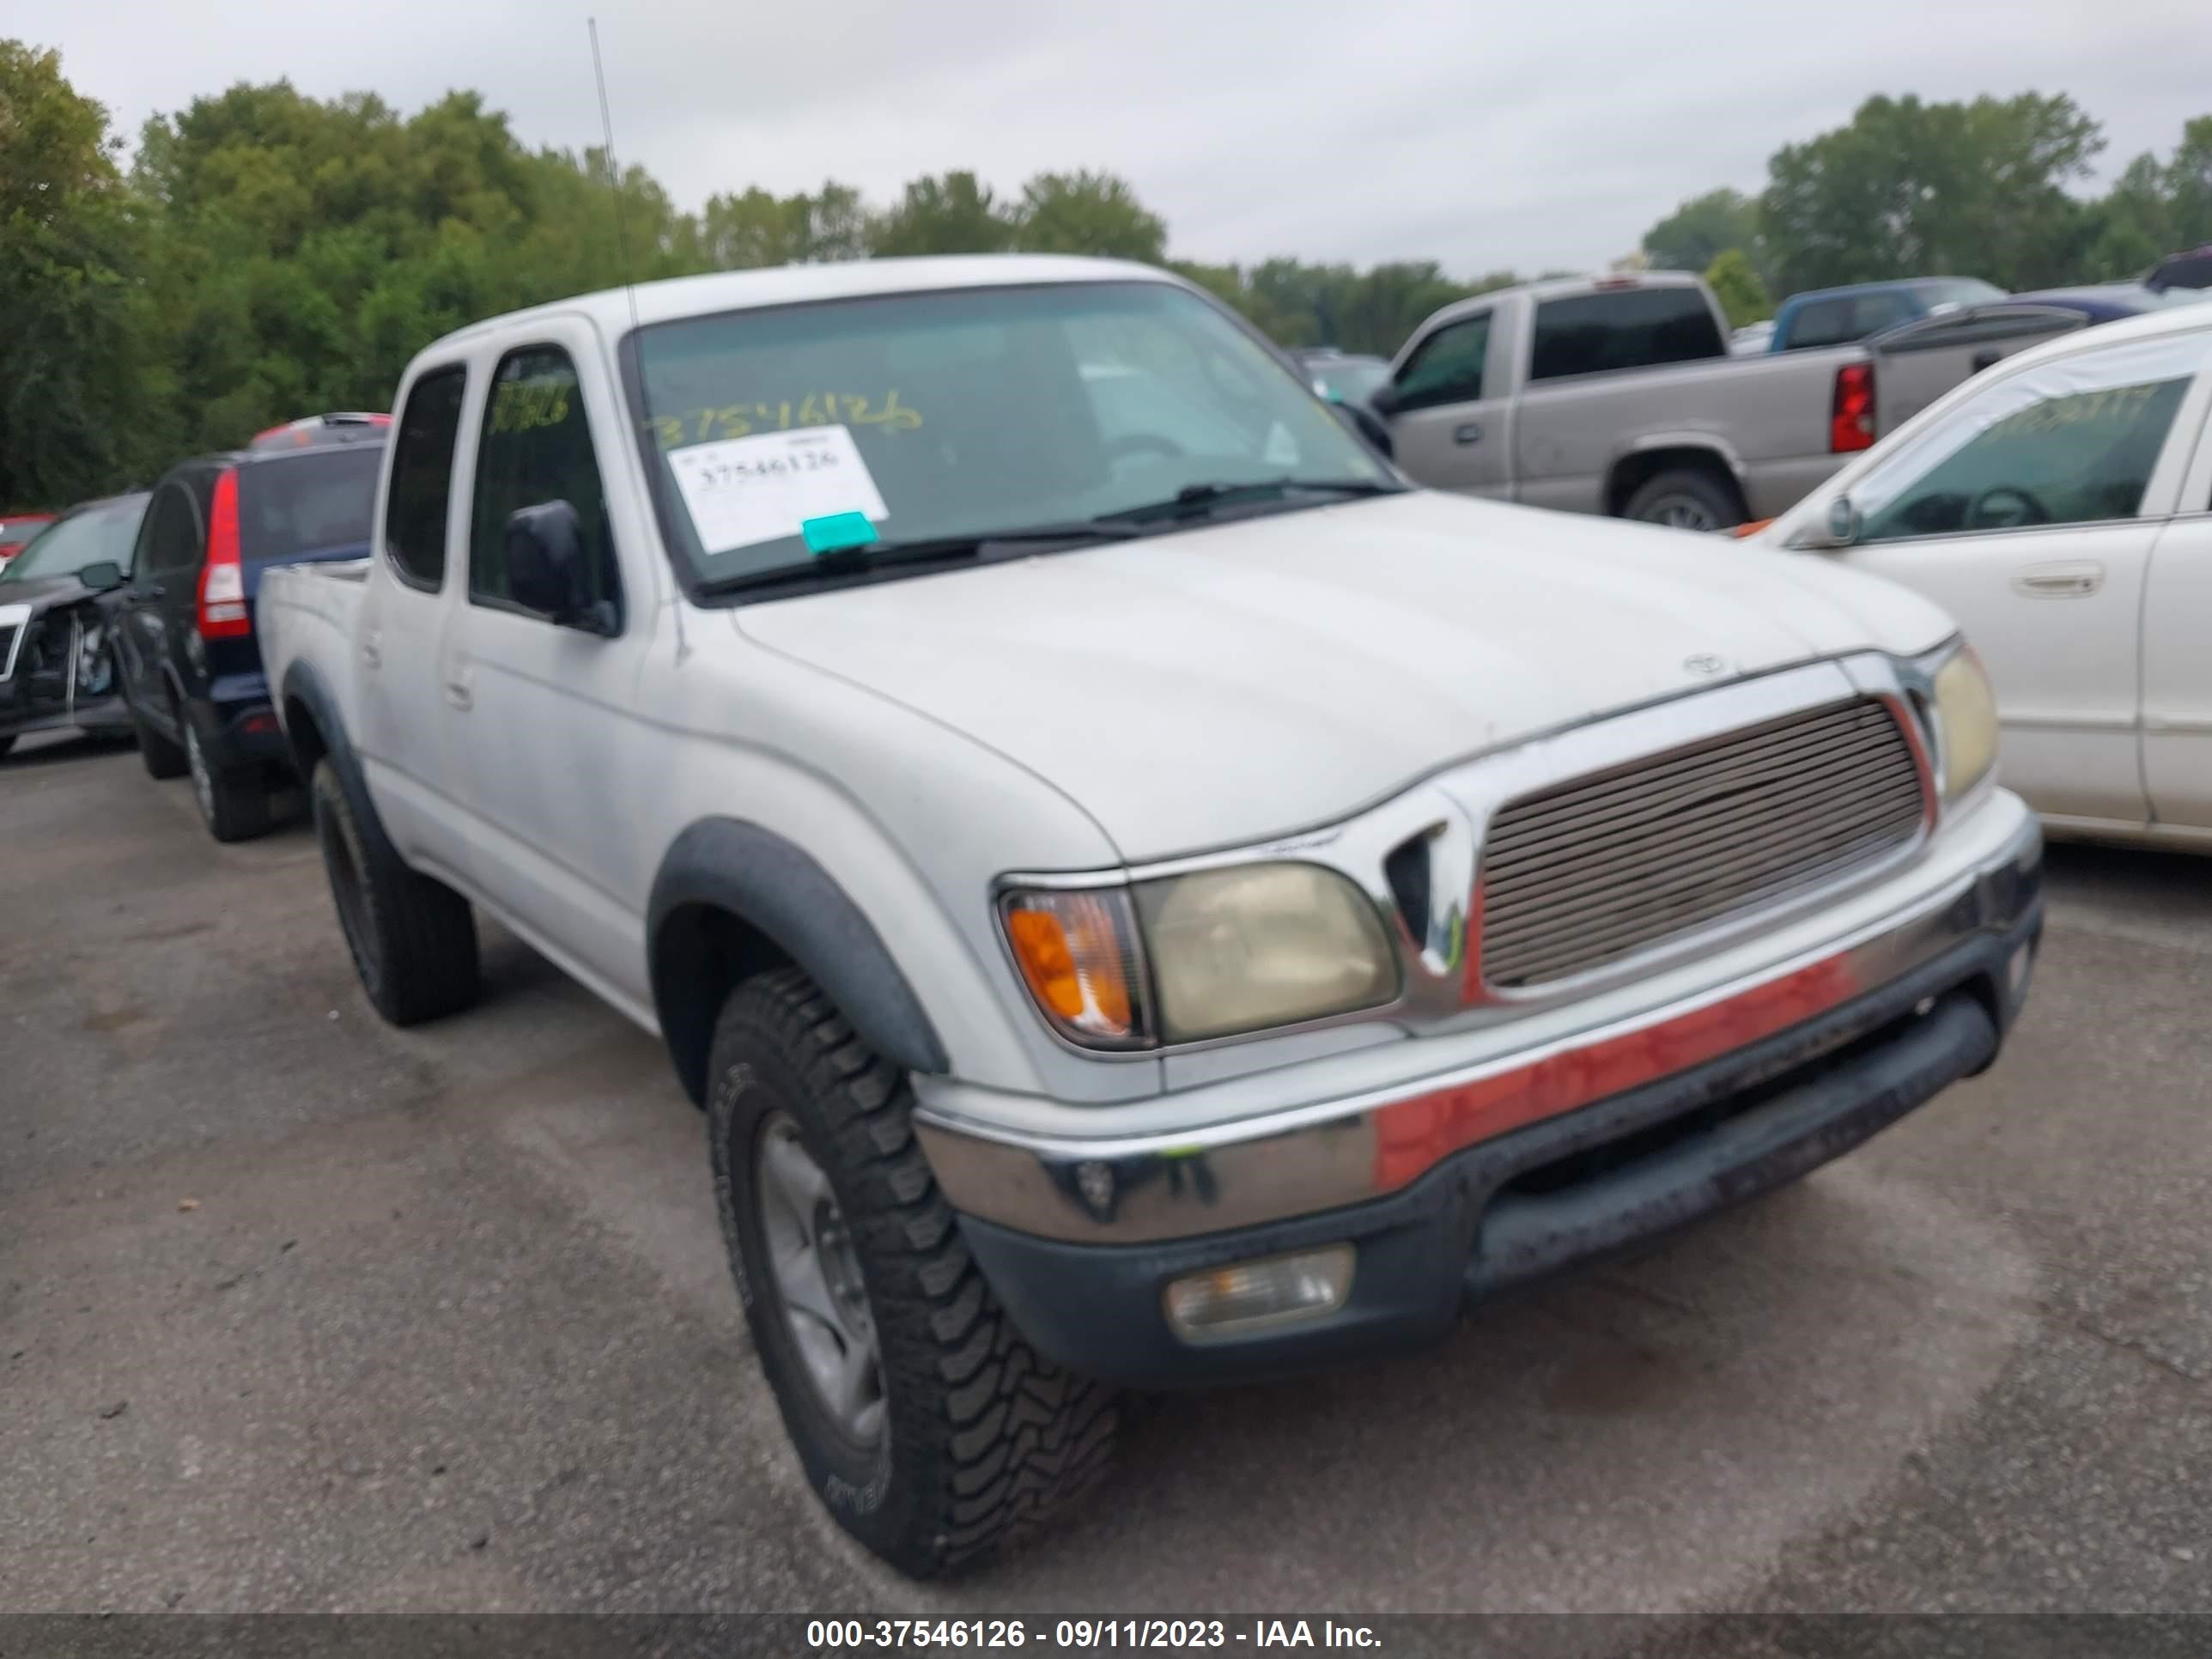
<point x="1141" y="900"/>
<point x="2060" y="506"/>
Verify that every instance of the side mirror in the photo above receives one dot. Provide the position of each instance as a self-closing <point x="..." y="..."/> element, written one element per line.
<point x="101" y="575"/>
<point x="545" y="567"/>
<point x="1384" y="400"/>
<point x="1365" y="423"/>
<point x="1840" y="529"/>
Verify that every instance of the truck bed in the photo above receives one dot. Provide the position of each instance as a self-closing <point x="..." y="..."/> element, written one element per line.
<point x="307" y="612"/>
<point x="1770" y="413"/>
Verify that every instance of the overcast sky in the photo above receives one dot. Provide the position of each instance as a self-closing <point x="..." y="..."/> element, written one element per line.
<point x="1519" y="133"/>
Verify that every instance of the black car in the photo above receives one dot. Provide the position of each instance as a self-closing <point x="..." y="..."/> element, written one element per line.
<point x="191" y="669"/>
<point x="2191" y="269"/>
<point x="57" y="671"/>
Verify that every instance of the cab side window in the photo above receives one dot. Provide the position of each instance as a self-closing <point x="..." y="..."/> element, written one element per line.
<point x="422" y="476"/>
<point x="1447" y="367"/>
<point x="536" y="448"/>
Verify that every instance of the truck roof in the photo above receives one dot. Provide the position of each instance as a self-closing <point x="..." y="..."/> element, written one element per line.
<point x="1558" y="287"/>
<point x="736" y="290"/>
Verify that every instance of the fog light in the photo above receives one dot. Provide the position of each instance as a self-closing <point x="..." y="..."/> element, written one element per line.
<point x="1252" y="1295"/>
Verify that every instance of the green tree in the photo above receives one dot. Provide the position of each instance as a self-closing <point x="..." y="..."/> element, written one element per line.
<point x="2154" y="208"/>
<point x="1701" y="229"/>
<point x="955" y="214"/>
<point x="1737" y="286"/>
<point x="84" y="394"/>
<point x="1909" y="189"/>
<point x="1087" y="212"/>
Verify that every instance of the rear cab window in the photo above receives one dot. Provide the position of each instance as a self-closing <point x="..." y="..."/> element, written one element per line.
<point x="420" y="493"/>
<point x="310" y="501"/>
<point x="1622" y="328"/>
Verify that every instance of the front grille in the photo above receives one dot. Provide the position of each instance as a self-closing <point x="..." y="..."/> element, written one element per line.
<point x="1594" y="869"/>
<point x="8" y="632"/>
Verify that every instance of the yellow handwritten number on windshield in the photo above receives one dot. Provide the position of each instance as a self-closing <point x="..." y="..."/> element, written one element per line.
<point x="701" y="426"/>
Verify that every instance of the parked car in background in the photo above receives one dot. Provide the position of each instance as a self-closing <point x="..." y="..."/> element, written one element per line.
<point x="16" y="529"/>
<point x="1752" y="338"/>
<point x="1838" y="316"/>
<point x="2108" y="303"/>
<point x="57" y="665"/>
<point x="1344" y="377"/>
<point x="1051" y="862"/>
<point x="2060" y="506"/>
<point x="2192" y="269"/>
<point x="1618" y="395"/>
<point x="313" y="430"/>
<point x="185" y="637"/>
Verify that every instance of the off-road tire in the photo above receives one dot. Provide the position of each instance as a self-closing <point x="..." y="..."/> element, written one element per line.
<point x="6" y="744"/>
<point x="986" y="1442"/>
<point x="1695" y="487"/>
<point x="413" y="939"/>
<point x="164" y="760"/>
<point x="234" y="800"/>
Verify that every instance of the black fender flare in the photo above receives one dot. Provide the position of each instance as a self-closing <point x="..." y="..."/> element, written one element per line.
<point x="304" y="686"/>
<point x="775" y="888"/>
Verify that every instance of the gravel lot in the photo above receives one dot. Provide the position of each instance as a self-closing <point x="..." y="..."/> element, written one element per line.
<point x="298" y="1312"/>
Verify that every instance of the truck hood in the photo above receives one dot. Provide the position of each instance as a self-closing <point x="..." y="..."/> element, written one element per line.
<point x="1242" y="680"/>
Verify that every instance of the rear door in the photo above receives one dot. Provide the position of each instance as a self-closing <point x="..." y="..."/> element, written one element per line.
<point x="164" y="564"/>
<point x="2029" y="513"/>
<point x="1452" y="409"/>
<point x="406" y="738"/>
<point x="1916" y="364"/>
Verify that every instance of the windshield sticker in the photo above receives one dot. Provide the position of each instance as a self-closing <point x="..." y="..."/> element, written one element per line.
<point x="744" y="491"/>
<point x="700" y="426"/>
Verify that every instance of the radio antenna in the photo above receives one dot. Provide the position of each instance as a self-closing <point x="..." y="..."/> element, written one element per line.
<point x="614" y="173"/>
<point x="629" y="286"/>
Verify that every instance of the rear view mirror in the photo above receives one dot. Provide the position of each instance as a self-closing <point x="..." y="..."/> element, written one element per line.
<point x="100" y="575"/>
<point x="546" y="570"/>
<point x="1838" y="527"/>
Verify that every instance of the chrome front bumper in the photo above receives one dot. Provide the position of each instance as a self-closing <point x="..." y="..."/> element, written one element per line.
<point x="1139" y="1178"/>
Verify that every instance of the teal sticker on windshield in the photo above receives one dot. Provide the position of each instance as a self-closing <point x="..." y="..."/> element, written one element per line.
<point x="836" y="532"/>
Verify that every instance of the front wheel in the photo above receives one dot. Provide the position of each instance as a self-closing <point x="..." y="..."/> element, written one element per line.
<point x="6" y="744"/>
<point x="925" y="1423"/>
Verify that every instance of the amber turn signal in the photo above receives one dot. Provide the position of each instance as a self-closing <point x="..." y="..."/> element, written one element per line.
<point x="1076" y="952"/>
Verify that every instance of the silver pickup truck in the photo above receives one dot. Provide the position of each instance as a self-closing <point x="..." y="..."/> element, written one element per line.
<point x="1618" y="395"/>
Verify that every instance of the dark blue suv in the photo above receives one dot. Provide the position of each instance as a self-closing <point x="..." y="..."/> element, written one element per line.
<point x="183" y="622"/>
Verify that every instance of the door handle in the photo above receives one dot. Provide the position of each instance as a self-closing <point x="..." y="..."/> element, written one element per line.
<point x="1470" y="432"/>
<point x="155" y="590"/>
<point x="458" y="694"/>
<point x="2060" y="582"/>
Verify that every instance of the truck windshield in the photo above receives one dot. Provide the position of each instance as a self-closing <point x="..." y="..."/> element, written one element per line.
<point x="786" y="433"/>
<point x="99" y="533"/>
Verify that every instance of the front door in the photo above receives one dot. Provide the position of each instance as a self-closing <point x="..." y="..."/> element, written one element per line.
<point x="1450" y="430"/>
<point x="2029" y="514"/>
<point x="549" y="750"/>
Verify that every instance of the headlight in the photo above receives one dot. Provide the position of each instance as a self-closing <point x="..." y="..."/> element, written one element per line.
<point x="1261" y="945"/>
<point x="1967" y="715"/>
<point x="1229" y="951"/>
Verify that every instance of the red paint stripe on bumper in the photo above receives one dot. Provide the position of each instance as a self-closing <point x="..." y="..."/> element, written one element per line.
<point x="1412" y="1136"/>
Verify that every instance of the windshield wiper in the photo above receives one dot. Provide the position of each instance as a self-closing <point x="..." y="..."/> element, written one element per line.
<point x="1196" y="500"/>
<point x="933" y="550"/>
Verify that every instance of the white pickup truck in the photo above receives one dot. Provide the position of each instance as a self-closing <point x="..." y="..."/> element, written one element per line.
<point x="1143" y="896"/>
